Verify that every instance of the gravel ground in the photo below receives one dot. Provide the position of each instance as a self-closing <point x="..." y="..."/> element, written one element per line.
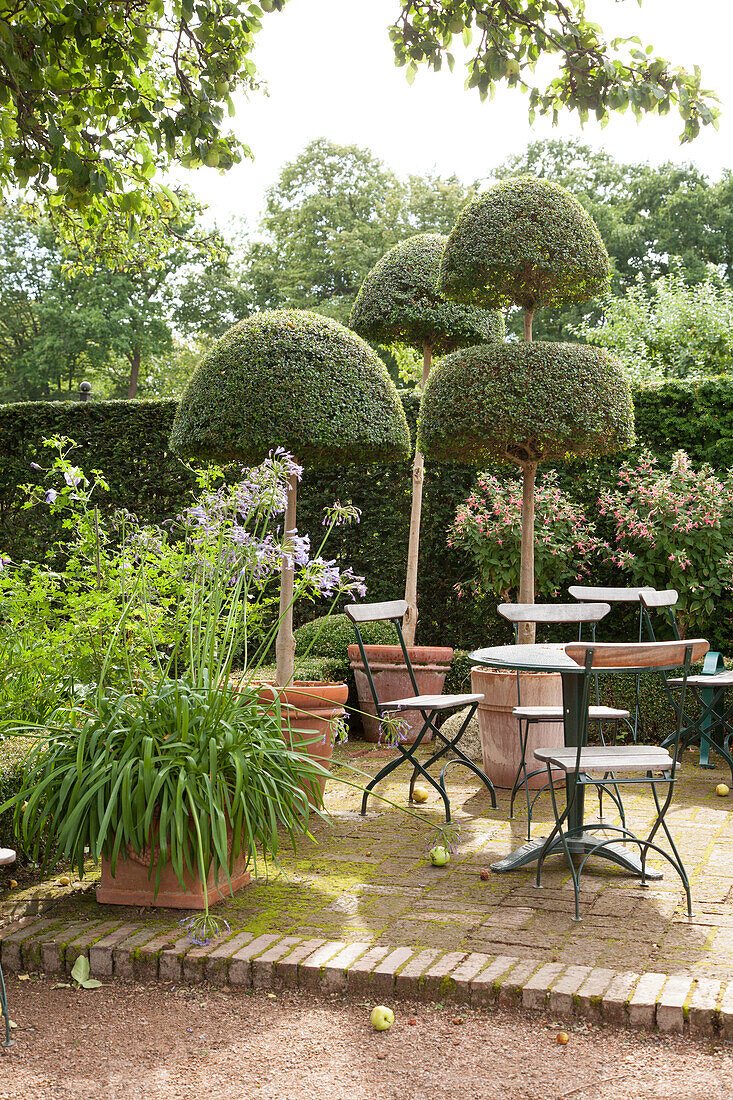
<point x="126" y="1041"/>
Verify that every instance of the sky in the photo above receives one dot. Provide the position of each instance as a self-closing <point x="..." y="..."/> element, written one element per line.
<point x="329" y="69"/>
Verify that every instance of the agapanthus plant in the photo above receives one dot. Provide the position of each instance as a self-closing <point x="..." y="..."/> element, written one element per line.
<point x="163" y="740"/>
<point x="489" y="527"/>
<point x="674" y="529"/>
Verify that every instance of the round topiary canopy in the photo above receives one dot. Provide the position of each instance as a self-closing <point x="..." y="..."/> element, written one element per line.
<point x="399" y="302"/>
<point x="291" y="379"/>
<point x="525" y="242"/>
<point x="526" y="403"/>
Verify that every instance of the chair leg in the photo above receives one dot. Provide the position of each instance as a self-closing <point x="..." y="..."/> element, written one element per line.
<point x="7" y="1042"/>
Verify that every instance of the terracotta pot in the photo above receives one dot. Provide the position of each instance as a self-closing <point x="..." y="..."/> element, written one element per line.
<point x="500" y="746"/>
<point x="133" y="885"/>
<point x="392" y="680"/>
<point x="308" y="709"/>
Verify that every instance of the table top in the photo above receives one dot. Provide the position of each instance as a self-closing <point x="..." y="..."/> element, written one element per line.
<point x="526" y="658"/>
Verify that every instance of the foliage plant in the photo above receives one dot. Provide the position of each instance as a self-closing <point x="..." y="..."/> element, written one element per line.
<point x="295" y="380"/>
<point x="488" y="525"/>
<point x="591" y="75"/>
<point x="399" y="303"/>
<point x="529" y="243"/>
<point x="668" y="329"/>
<point x="674" y="529"/>
<point x="165" y="751"/>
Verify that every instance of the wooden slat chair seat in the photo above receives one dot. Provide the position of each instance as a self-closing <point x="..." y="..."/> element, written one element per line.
<point x="608" y="758"/>
<point x="580" y="615"/>
<point x="429" y="707"/>
<point x="432" y="702"/>
<point x="585" y="765"/>
<point x="556" y="714"/>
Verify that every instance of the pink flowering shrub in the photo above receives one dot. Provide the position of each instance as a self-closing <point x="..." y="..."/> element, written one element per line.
<point x="489" y="526"/>
<point x="674" y="530"/>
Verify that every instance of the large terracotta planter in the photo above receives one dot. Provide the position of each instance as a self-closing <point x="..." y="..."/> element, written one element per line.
<point x="308" y="709"/>
<point x="500" y="746"/>
<point x="133" y="885"/>
<point x="392" y="680"/>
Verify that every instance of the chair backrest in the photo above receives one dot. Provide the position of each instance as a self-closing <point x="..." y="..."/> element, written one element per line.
<point x="638" y="656"/>
<point x="590" y="594"/>
<point x="653" y="598"/>
<point x="553" y="612"/>
<point x="372" y="613"/>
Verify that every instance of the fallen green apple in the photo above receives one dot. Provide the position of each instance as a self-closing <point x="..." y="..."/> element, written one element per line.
<point x="439" y="856"/>
<point x="722" y="790"/>
<point x="420" y="793"/>
<point x="381" y="1018"/>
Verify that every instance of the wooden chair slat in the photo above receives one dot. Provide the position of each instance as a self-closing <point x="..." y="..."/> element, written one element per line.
<point x="372" y="612"/>
<point x="553" y="612"/>
<point x="589" y="594"/>
<point x="668" y="598"/>
<point x="638" y="655"/>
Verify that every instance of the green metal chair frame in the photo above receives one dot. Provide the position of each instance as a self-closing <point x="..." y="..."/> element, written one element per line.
<point x="553" y="614"/>
<point x="7" y="856"/>
<point x="659" y="766"/>
<point x="712" y="727"/>
<point x="429" y="707"/>
<point x="590" y="594"/>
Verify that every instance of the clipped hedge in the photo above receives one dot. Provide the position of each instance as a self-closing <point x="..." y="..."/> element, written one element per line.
<point x="525" y="242"/>
<point x="128" y="441"/>
<point x="292" y="379"/>
<point x="526" y="402"/>
<point x="399" y="302"/>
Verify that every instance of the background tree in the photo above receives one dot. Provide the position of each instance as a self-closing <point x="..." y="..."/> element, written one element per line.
<point x="399" y="303"/>
<point x="591" y="74"/>
<point x="528" y="243"/>
<point x="299" y="381"/>
<point x="668" y="329"/>
<point x="96" y="99"/>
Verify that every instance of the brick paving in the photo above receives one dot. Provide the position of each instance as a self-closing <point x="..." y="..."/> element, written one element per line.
<point x="358" y="907"/>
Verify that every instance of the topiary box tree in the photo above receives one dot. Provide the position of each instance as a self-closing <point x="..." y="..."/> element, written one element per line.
<point x="525" y="242"/>
<point x="299" y="381"/>
<point x="399" y="303"/>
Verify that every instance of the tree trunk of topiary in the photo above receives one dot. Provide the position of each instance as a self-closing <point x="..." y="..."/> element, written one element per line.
<point x="285" y="644"/>
<point x="526" y="575"/>
<point x="413" y="546"/>
<point x="526" y="633"/>
<point x="528" y="318"/>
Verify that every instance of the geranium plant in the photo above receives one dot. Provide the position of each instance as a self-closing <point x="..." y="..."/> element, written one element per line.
<point x="488" y="525"/>
<point x="674" y="529"/>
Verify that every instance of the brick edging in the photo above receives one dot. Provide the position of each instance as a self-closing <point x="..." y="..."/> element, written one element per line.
<point x="670" y="1003"/>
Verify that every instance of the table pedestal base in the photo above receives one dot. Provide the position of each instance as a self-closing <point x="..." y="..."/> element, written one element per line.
<point x="578" y="845"/>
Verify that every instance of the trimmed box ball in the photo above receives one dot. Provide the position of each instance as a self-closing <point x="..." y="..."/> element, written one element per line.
<point x="292" y="379"/>
<point x="524" y="242"/>
<point x="524" y="403"/>
<point x="399" y="303"/>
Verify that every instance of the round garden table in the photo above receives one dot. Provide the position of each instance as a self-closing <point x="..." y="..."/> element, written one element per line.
<point x="552" y="658"/>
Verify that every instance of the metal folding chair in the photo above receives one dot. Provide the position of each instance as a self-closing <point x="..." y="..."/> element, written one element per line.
<point x="7" y="856"/>
<point x="582" y="764"/>
<point x="712" y="724"/>
<point x="527" y="716"/>
<point x="429" y="707"/>
<point x="591" y="594"/>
